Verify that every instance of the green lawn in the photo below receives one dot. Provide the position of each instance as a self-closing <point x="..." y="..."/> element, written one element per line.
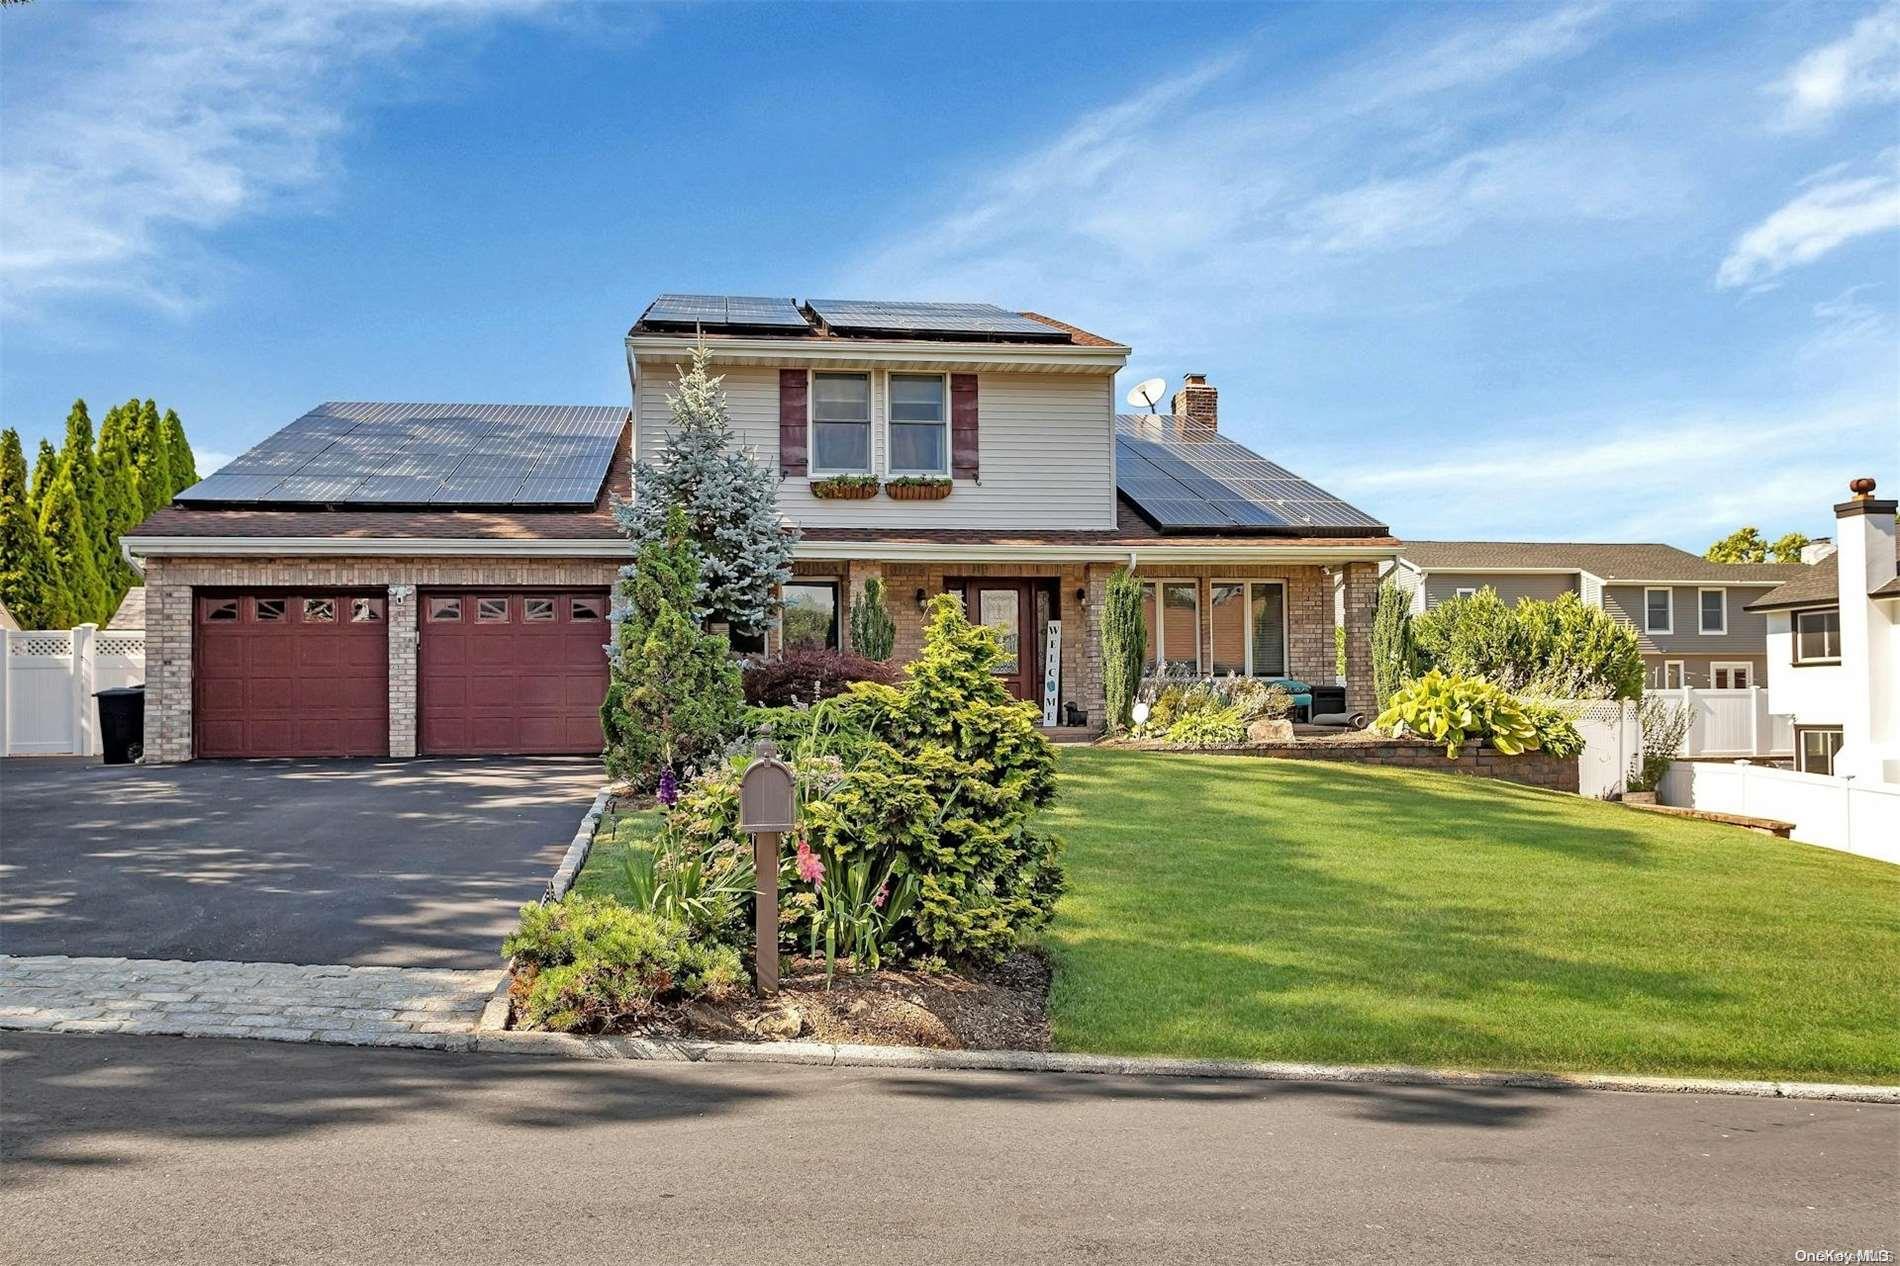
<point x="605" y="875"/>
<point x="1243" y="908"/>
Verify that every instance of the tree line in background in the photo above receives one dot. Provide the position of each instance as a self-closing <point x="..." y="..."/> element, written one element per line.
<point x="1748" y="545"/>
<point x="60" y="525"/>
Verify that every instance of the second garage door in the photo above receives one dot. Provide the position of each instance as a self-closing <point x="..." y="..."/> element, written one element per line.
<point x="520" y="671"/>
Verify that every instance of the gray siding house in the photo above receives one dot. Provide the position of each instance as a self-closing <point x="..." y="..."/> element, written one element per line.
<point x="1691" y="616"/>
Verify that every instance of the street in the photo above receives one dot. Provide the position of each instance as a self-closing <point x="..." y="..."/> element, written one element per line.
<point x="125" y="1149"/>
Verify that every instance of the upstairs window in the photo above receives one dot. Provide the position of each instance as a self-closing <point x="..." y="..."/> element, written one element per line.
<point x="1817" y="636"/>
<point x="920" y="430"/>
<point x="841" y="424"/>
<point x="1659" y="611"/>
<point x="1714" y="610"/>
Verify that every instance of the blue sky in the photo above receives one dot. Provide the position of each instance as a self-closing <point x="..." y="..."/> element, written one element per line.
<point x="1589" y="271"/>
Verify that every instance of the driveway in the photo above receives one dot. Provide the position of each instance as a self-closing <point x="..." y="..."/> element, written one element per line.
<point x="405" y="863"/>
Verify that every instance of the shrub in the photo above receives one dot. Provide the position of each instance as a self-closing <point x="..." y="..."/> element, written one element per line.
<point x="586" y="964"/>
<point x="1555" y="725"/>
<point x="1664" y="726"/>
<point x="673" y="696"/>
<point x="1394" y="657"/>
<point x="1173" y="697"/>
<point x="1457" y="710"/>
<point x="1216" y="726"/>
<point x="1124" y="646"/>
<point x="808" y="676"/>
<point x="1339" y="651"/>
<point x="1560" y="647"/>
<point x="873" y="632"/>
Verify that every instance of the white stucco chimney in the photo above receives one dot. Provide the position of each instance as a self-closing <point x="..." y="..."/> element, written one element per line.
<point x="1817" y="549"/>
<point x="1870" y="636"/>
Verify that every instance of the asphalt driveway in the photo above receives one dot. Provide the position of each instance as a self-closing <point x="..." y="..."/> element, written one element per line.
<point x="405" y="863"/>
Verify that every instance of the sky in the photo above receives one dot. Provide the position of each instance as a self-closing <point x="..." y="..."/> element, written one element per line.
<point x="1589" y="272"/>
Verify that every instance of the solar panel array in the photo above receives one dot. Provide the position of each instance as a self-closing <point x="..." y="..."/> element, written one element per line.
<point x="933" y="318"/>
<point x="721" y="310"/>
<point x="1191" y="476"/>
<point x="443" y="456"/>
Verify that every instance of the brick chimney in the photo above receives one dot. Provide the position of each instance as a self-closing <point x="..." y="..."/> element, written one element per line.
<point x="1197" y="402"/>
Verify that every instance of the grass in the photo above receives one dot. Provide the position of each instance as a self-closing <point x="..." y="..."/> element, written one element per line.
<point x="1235" y="907"/>
<point x="605" y="874"/>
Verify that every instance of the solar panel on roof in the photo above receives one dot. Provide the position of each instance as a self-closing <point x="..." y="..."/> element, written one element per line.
<point x="932" y="318"/>
<point x="441" y="455"/>
<point x="720" y="310"/>
<point x="1184" y="476"/>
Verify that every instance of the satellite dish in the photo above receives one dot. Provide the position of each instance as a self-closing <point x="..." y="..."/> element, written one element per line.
<point x="1147" y="393"/>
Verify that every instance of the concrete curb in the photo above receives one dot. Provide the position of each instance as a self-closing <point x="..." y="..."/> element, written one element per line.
<point x="845" y="1055"/>
<point x="577" y="850"/>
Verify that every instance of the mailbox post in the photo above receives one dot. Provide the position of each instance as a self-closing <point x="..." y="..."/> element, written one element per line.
<point x="766" y="811"/>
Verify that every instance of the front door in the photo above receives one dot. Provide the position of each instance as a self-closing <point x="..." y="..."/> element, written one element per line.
<point x="1005" y="606"/>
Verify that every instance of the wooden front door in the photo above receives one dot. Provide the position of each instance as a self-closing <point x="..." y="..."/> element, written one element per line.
<point x="1007" y="607"/>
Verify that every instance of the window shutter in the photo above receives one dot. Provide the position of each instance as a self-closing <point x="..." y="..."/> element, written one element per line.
<point x="793" y="422"/>
<point x="963" y="426"/>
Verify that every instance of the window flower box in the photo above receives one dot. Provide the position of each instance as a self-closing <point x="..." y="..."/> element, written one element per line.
<point x="845" y="488"/>
<point x="918" y="488"/>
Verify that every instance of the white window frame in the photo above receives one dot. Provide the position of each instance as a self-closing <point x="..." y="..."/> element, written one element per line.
<point x="1159" y="658"/>
<point x="812" y="422"/>
<point x="1669" y="610"/>
<point x="1682" y="674"/>
<point x="1732" y="665"/>
<point x="1465" y="591"/>
<point x="890" y="421"/>
<point x="1246" y="604"/>
<point x="1801" y="748"/>
<point x="1699" y="623"/>
<point x="1794" y="628"/>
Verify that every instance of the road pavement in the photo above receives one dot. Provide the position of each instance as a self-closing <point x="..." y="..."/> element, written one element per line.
<point x="121" y="1149"/>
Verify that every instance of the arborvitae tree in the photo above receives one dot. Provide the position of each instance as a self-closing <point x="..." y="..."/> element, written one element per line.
<point x="873" y="632"/>
<point x="45" y="466"/>
<point x="184" y="464"/>
<point x="730" y="502"/>
<point x="63" y="523"/>
<point x="118" y="491"/>
<point x="673" y="695"/>
<point x="1394" y="659"/>
<point x="151" y="458"/>
<point x="80" y="457"/>
<point x="29" y="583"/>
<point x="1124" y="646"/>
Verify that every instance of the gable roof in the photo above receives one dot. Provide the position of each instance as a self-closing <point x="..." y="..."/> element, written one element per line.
<point x="1609" y="561"/>
<point x="1819" y="586"/>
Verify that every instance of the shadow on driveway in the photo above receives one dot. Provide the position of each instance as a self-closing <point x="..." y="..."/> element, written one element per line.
<point x="409" y="863"/>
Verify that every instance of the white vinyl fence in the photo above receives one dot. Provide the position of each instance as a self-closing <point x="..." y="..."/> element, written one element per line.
<point x="47" y="679"/>
<point x="1731" y="722"/>
<point x="1612" y="737"/>
<point x="1839" y="813"/>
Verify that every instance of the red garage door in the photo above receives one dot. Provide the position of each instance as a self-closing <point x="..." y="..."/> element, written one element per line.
<point x="291" y="673"/>
<point x="521" y="671"/>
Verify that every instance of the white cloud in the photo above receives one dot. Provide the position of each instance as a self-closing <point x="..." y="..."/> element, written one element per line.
<point x="210" y="461"/>
<point x="1849" y="323"/>
<point x="1861" y="68"/>
<point x="1828" y="213"/>
<point x="1622" y="478"/>
<point x="160" y="123"/>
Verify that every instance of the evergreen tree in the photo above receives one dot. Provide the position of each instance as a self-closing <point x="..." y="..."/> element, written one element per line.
<point x="63" y="524"/>
<point x="45" y="466"/>
<point x="730" y="503"/>
<point x="184" y="463"/>
<point x="29" y="583"/>
<point x="1124" y="647"/>
<point x="80" y="457"/>
<point x="151" y="459"/>
<point x="873" y="632"/>
<point x="118" y="490"/>
<point x="673" y="695"/>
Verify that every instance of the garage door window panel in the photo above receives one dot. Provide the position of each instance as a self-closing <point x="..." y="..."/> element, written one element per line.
<point x="319" y="610"/>
<point x="217" y="610"/>
<point x="444" y="610"/>
<point x="537" y="610"/>
<point x="366" y="610"/>
<point x="587" y="609"/>
<point x="268" y="610"/>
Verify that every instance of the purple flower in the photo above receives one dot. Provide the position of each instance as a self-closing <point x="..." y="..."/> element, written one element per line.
<point x="669" y="788"/>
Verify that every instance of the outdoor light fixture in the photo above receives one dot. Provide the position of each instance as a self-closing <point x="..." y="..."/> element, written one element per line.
<point x="922" y="600"/>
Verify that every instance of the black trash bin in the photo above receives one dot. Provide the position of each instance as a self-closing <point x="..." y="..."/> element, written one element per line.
<point x="122" y="723"/>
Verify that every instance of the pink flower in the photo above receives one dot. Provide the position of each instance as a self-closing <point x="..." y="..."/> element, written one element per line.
<point x="810" y="869"/>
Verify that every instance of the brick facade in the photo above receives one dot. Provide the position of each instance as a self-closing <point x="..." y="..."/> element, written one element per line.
<point x="169" y="583"/>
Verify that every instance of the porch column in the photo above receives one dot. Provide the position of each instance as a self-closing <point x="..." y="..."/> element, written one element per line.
<point x="1362" y="593"/>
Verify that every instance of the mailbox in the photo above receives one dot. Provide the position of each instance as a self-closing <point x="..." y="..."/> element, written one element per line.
<point x="765" y="793"/>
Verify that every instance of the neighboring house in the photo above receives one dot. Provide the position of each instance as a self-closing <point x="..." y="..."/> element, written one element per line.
<point x="1834" y="648"/>
<point x="433" y="579"/>
<point x="131" y="612"/>
<point x="1691" y="616"/>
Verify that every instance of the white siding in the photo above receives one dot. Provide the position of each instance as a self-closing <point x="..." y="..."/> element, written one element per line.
<point x="1813" y="694"/>
<point x="1046" y="450"/>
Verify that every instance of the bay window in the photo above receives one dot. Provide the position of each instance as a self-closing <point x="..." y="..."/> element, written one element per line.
<point x="841" y="424"/>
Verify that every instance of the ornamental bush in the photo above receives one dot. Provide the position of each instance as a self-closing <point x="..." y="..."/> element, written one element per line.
<point x="873" y="631"/>
<point x="1560" y="647"/>
<point x="809" y="676"/>
<point x="1124" y="646"/>
<point x="588" y="964"/>
<point x="1458" y="710"/>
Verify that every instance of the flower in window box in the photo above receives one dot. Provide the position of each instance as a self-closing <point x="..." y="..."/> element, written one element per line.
<point x="845" y="488"/>
<point x="918" y="488"/>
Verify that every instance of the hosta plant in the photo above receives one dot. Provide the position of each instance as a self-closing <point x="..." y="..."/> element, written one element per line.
<point x="1459" y="710"/>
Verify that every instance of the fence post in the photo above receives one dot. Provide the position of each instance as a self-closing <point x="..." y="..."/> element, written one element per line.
<point x="85" y="732"/>
<point x="1754" y="720"/>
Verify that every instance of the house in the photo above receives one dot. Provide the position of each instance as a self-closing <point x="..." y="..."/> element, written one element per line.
<point x="1691" y="616"/>
<point x="407" y="579"/>
<point x="1834" y="647"/>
